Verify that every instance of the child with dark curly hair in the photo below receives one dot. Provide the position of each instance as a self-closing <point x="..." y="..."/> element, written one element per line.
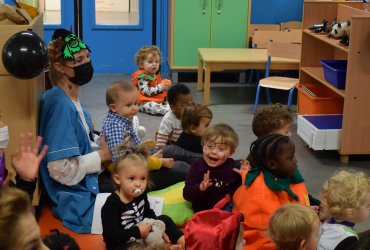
<point x="273" y="182"/>
<point x="60" y="241"/>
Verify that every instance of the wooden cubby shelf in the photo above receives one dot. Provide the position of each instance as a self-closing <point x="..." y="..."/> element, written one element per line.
<point x="19" y="98"/>
<point x="329" y="40"/>
<point x="318" y="74"/>
<point x="354" y="136"/>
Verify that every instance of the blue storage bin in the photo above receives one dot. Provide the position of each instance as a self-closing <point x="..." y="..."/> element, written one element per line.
<point x="335" y="72"/>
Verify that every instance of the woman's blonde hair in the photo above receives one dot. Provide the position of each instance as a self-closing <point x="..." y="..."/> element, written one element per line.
<point x="141" y="55"/>
<point x="343" y="190"/>
<point x="192" y="113"/>
<point x="223" y="131"/>
<point x="290" y="225"/>
<point x="14" y="204"/>
<point x="55" y="56"/>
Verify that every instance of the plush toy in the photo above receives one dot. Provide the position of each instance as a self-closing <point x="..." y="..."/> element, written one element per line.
<point x="323" y="26"/>
<point x="156" y="234"/>
<point x="319" y="27"/>
<point x="338" y="29"/>
<point x="345" y="39"/>
<point x="329" y="26"/>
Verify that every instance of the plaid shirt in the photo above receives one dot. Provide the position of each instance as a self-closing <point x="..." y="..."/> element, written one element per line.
<point x="115" y="128"/>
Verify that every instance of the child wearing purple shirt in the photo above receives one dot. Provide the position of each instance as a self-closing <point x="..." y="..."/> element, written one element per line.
<point x="212" y="177"/>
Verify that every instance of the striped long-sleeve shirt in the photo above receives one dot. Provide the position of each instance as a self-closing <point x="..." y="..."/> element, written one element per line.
<point x="169" y="130"/>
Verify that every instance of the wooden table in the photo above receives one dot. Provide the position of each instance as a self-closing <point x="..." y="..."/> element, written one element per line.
<point x="217" y="59"/>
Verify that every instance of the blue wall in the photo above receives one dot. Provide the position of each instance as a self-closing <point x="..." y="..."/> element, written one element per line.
<point x="276" y="11"/>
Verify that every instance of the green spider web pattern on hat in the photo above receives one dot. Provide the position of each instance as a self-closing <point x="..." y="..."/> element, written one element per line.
<point x="72" y="45"/>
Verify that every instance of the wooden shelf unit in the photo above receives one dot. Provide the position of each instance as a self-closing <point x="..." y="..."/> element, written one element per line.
<point x="19" y="98"/>
<point x="318" y="74"/>
<point x="355" y="134"/>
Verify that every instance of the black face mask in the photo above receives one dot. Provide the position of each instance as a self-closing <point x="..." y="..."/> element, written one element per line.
<point x="83" y="74"/>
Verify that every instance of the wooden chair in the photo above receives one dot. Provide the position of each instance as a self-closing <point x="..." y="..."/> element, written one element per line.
<point x="258" y="27"/>
<point x="254" y="27"/>
<point x="292" y="25"/>
<point x="261" y="38"/>
<point x="283" y="50"/>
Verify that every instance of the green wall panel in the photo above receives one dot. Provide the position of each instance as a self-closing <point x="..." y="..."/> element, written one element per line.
<point x="229" y="24"/>
<point x="198" y="24"/>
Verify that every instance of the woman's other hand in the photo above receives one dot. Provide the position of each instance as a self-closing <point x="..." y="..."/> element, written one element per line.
<point x="104" y="150"/>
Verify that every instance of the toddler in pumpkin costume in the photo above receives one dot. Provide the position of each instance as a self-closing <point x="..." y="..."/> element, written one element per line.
<point x="151" y="88"/>
<point x="272" y="182"/>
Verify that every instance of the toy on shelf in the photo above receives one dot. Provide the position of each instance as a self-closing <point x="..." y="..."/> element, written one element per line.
<point x="319" y="27"/>
<point x="338" y="29"/>
<point x="323" y="26"/>
<point x="345" y="39"/>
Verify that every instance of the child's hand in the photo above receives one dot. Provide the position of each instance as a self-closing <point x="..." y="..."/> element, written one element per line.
<point x="244" y="165"/>
<point x="316" y="209"/>
<point x="26" y="160"/>
<point x="181" y="242"/>
<point x="144" y="229"/>
<point x="206" y="183"/>
<point x="166" y="239"/>
<point x="166" y="82"/>
<point x="168" y="162"/>
<point x="164" y="86"/>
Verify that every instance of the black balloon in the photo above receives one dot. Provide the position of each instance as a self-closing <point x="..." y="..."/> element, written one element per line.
<point x="25" y="55"/>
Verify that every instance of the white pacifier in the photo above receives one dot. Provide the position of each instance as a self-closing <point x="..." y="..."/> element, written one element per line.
<point x="137" y="191"/>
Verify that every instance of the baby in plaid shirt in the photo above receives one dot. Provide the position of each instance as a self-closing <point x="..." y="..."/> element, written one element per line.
<point x="122" y="100"/>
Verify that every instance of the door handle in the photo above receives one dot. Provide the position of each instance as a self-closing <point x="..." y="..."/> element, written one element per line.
<point x="204" y="7"/>
<point x="219" y="7"/>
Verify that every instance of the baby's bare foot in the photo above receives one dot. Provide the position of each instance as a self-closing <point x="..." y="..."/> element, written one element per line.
<point x="181" y="242"/>
<point x="176" y="247"/>
<point x="168" y="162"/>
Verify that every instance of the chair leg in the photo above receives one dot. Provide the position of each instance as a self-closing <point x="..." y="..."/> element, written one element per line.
<point x="291" y="91"/>
<point x="251" y="75"/>
<point x="257" y="97"/>
<point x="268" y="96"/>
<point x="258" y="75"/>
